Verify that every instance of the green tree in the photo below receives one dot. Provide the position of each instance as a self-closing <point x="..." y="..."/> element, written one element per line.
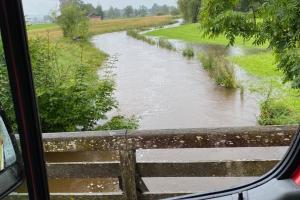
<point x="189" y="9"/>
<point x="142" y="11"/>
<point x="278" y="26"/>
<point x="99" y="11"/>
<point x="128" y="11"/>
<point x="73" y="20"/>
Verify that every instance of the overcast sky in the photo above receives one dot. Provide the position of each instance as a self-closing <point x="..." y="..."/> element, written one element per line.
<point x="43" y="7"/>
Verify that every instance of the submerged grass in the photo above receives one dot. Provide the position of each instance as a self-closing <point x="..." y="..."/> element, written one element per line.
<point x="135" y="34"/>
<point x="164" y="43"/>
<point x="188" y="52"/>
<point x="281" y="104"/>
<point x="220" y="69"/>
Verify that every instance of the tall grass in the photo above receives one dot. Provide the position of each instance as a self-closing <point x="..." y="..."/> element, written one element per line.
<point x="104" y="26"/>
<point x="220" y="69"/>
<point x="280" y="107"/>
<point x="136" y="35"/>
<point x="188" y="52"/>
<point x="164" y="43"/>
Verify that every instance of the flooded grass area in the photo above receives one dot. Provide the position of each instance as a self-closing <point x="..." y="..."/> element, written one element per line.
<point x="280" y="107"/>
<point x="165" y="90"/>
<point x="192" y="33"/>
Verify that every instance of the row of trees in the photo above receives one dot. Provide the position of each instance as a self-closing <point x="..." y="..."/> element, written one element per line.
<point x="141" y="11"/>
<point x="129" y="11"/>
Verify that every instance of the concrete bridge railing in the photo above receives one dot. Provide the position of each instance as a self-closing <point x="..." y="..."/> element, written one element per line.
<point x="130" y="172"/>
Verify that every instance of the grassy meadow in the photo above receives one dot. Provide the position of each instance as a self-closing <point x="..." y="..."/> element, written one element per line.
<point x="101" y="26"/>
<point x="193" y="33"/>
<point x="70" y="51"/>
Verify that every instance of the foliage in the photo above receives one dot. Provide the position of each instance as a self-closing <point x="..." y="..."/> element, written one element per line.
<point x="164" y="43"/>
<point x="73" y="21"/>
<point x="189" y="9"/>
<point x="99" y="11"/>
<point x="128" y="11"/>
<point x="274" y="22"/>
<point x="224" y="74"/>
<point x="280" y="109"/>
<point x="136" y="35"/>
<point x="141" y="11"/>
<point x="188" y="52"/>
<point x="207" y="60"/>
<point x="120" y="123"/>
<point x="6" y="102"/>
<point x="220" y="69"/>
<point x="68" y="101"/>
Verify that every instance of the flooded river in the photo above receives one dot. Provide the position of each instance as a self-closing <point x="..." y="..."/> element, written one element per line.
<point x="165" y="90"/>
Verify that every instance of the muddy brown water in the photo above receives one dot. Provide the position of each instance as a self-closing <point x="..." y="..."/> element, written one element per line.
<point x="165" y="90"/>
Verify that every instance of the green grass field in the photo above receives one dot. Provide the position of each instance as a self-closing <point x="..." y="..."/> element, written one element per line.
<point x="41" y="26"/>
<point x="260" y="64"/>
<point x="193" y="33"/>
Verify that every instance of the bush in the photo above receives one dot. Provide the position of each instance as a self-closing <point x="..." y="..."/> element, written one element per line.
<point x="188" y="52"/>
<point x="120" y="123"/>
<point x="207" y="60"/>
<point x="273" y="112"/>
<point x="70" y="95"/>
<point x="224" y="74"/>
<point x="164" y="43"/>
<point x="281" y="106"/>
<point x="221" y="70"/>
<point x="73" y="21"/>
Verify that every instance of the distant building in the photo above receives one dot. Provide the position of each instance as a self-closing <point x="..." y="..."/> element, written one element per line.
<point x="95" y="17"/>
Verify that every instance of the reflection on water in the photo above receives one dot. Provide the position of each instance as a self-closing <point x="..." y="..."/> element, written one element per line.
<point x="166" y="90"/>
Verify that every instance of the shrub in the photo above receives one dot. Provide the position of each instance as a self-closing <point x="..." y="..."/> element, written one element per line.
<point x="70" y="94"/>
<point x="188" y="52"/>
<point x="120" y="123"/>
<point x="164" y="43"/>
<point x="73" y="21"/>
<point x="273" y="112"/>
<point x="221" y="70"/>
<point x="280" y="107"/>
<point x="207" y="60"/>
<point x="224" y="74"/>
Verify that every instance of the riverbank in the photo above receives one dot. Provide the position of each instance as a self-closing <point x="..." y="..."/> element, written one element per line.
<point x="70" y="51"/>
<point x="75" y="65"/>
<point x="280" y="103"/>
